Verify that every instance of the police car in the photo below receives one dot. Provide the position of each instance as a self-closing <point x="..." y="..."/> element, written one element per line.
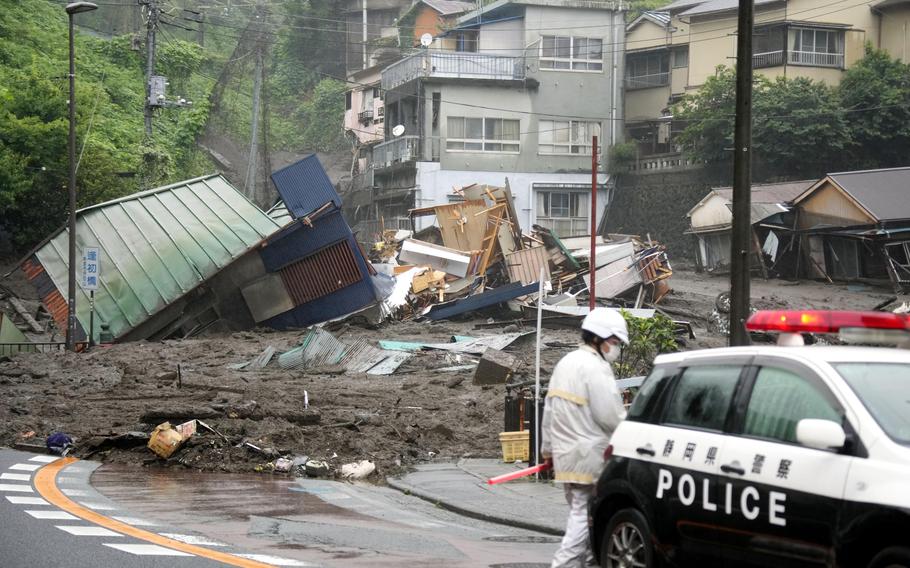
<point x="765" y="455"/>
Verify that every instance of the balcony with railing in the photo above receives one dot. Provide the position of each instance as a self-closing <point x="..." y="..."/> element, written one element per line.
<point x="405" y="149"/>
<point x="816" y="59"/>
<point x="768" y="59"/>
<point x="453" y="65"/>
<point x="648" y="81"/>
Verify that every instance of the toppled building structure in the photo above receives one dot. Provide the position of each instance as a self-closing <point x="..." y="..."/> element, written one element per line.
<point x="197" y="255"/>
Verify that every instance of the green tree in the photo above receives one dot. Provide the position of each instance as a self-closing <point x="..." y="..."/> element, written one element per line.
<point x="708" y="117"/>
<point x="798" y="129"/>
<point x="876" y="94"/>
<point x="321" y="117"/>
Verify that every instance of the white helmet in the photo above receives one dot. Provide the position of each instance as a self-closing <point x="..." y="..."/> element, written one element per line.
<point x="605" y="323"/>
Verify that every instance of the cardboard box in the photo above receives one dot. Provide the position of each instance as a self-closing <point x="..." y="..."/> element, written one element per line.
<point x="165" y="439"/>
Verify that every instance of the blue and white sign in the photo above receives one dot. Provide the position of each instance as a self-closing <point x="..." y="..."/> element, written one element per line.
<point x="91" y="267"/>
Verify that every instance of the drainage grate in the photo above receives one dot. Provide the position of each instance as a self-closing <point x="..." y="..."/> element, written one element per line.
<point x="523" y="540"/>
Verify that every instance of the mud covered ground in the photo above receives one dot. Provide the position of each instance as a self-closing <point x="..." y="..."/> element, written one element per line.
<point x="416" y="415"/>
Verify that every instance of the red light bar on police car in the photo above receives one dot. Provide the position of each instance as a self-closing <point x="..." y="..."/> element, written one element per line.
<point x="824" y="321"/>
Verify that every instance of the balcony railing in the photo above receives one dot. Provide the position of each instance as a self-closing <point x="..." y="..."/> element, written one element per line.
<point x="397" y="151"/>
<point x="647" y="81"/>
<point x="768" y="59"/>
<point x="366" y="116"/>
<point x="816" y="59"/>
<point x="455" y="65"/>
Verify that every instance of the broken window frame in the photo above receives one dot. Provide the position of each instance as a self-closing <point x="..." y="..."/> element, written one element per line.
<point x="901" y="271"/>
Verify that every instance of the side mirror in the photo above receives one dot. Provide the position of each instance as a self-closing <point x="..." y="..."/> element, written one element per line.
<point x="820" y="434"/>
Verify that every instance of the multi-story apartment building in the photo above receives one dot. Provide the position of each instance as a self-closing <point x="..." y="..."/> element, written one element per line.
<point x="371" y="32"/>
<point x="518" y="94"/>
<point x="673" y="51"/>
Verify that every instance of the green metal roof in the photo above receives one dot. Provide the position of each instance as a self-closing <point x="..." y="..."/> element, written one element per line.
<point x="156" y="246"/>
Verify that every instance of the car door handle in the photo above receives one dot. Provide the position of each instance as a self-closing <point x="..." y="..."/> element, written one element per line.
<point x="733" y="468"/>
<point x="646" y="451"/>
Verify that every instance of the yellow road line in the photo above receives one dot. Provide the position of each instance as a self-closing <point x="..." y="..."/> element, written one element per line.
<point x="45" y="483"/>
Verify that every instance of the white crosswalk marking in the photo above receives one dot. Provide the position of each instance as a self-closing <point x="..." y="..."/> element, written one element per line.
<point x="44" y="459"/>
<point x="57" y="515"/>
<point x="192" y="539"/>
<point x="79" y="530"/>
<point x="24" y="466"/>
<point x="16" y="488"/>
<point x="135" y="522"/>
<point x="16" y="500"/>
<point x="275" y="560"/>
<point x="16" y="476"/>
<point x="147" y="550"/>
<point x="98" y="506"/>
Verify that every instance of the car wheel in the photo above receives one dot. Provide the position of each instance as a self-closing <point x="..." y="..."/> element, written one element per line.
<point x="892" y="557"/>
<point x="627" y="541"/>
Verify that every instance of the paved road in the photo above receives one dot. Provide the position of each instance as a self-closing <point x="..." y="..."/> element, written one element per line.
<point x="37" y="533"/>
<point x="323" y="522"/>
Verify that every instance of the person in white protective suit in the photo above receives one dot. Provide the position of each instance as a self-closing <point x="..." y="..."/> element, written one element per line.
<point x="583" y="409"/>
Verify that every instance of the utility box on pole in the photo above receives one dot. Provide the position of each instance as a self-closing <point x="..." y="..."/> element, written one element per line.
<point x="157" y="91"/>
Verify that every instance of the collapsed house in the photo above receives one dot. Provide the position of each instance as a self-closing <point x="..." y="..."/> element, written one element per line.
<point x="711" y="222"/>
<point x="475" y="256"/>
<point x="847" y="226"/>
<point x="856" y="226"/>
<point x="195" y="255"/>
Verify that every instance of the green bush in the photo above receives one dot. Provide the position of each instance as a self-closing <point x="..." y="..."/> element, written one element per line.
<point x="648" y="338"/>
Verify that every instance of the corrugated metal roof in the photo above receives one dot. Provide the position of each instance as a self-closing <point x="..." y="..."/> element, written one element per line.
<point x="449" y="7"/>
<point x="156" y="246"/>
<point x="304" y="187"/>
<point x="771" y="192"/>
<point x="884" y="193"/>
<point x="320" y="347"/>
<point x="479" y="301"/>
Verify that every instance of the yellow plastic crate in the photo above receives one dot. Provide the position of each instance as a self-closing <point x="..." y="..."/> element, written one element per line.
<point x="515" y="445"/>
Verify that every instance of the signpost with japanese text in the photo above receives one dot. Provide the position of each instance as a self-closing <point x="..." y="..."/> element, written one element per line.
<point x="91" y="275"/>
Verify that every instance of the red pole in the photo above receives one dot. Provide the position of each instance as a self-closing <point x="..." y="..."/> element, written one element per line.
<point x="593" y="262"/>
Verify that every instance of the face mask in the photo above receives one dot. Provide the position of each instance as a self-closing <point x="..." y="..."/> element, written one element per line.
<point x="612" y="354"/>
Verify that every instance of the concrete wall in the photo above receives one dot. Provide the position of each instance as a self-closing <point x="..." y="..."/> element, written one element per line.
<point x="435" y="184"/>
<point x="503" y="38"/>
<point x="646" y="35"/>
<point x="644" y="104"/>
<point x="895" y="31"/>
<point x="657" y="203"/>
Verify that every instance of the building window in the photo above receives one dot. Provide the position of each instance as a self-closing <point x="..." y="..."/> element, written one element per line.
<point x="466" y="41"/>
<point x="482" y="135"/>
<point x="347" y="100"/>
<point x="437" y="103"/>
<point x="571" y="53"/>
<point x="565" y="211"/>
<point x="644" y="70"/>
<point x="819" y="48"/>
<point x="377" y="93"/>
<point x="768" y="47"/>
<point x="566" y="137"/>
<point x="681" y="57"/>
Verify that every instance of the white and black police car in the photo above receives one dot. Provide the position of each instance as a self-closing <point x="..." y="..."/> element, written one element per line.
<point x="765" y="455"/>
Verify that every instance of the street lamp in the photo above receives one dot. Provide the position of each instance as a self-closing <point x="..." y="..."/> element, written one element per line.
<point x="71" y="10"/>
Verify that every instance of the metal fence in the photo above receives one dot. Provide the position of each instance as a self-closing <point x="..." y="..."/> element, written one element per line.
<point x="816" y="59"/>
<point x="458" y="65"/>
<point x="40" y="347"/>
<point x="768" y="59"/>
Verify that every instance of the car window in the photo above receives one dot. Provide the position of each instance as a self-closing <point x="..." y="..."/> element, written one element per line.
<point x="702" y="396"/>
<point x="884" y="389"/>
<point x="643" y="404"/>
<point x="779" y="400"/>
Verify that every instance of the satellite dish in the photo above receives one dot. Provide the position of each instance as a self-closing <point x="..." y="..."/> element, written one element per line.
<point x="426" y="39"/>
<point x="398" y="130"/>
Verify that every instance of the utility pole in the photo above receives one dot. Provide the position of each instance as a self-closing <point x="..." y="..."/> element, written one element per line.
<point x="592" y="301"/>
<point x="151" y="30"/>
<point x="742" y="180"/>
<point x="250" y="187"/>
<point x="365" y="61"/>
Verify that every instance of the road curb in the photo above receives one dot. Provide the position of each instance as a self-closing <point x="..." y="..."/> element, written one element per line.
<point x="398" y="484"/>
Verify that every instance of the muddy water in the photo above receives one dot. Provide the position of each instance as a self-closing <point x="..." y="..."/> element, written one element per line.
<point x="319" y="522"/>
